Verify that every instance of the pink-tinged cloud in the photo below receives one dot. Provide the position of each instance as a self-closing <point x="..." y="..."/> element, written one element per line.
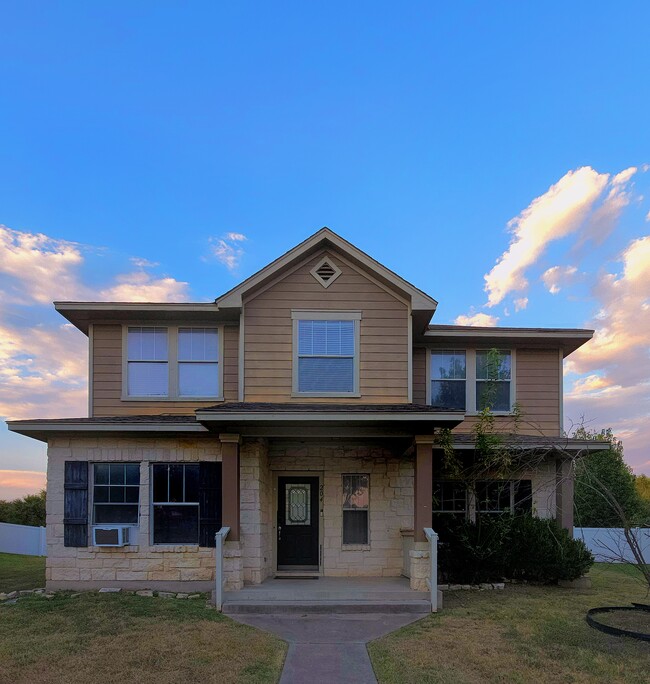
<point x="476" y="319"/>
<point x="557" y="277"/>
<point x="561" y="211"/>
<point x="14" y="484"/>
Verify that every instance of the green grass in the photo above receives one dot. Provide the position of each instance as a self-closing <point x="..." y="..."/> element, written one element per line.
<point x="522" y="634"/>
<point x="119" y="638"/>
<point x="21" y="572"/>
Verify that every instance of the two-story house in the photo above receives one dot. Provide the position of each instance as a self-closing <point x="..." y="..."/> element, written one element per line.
<point x="300" y="409"/>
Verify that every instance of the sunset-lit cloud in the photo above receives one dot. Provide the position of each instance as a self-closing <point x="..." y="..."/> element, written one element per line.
<point x="478" y="319"/>
<point x="14" y="484"/>
<point x="557" y="277"/>
<point x="562" y="210"/>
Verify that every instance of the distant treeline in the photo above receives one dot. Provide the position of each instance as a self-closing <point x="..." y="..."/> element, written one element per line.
<point x="30" y="510"/>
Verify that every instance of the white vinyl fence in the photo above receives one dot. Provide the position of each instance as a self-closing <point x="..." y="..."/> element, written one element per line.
<point x="608" y="544"/>
<point x="24" y="539"/>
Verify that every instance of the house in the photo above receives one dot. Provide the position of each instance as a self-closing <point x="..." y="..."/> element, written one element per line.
<point x="302" y="410"/>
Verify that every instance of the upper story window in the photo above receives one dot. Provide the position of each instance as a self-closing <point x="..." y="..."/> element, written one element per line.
<point x="147" y="362"/>
<point x="493" y="375"/>
<point x="448" y="373"/>
<point x="172" y="363"/>
<point x="198" y="362"/>
<point x="471" y="379"/>
<point x="326" y="353"/>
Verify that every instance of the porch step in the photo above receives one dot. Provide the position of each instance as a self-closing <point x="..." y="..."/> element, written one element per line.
<point x="238" y="607"/>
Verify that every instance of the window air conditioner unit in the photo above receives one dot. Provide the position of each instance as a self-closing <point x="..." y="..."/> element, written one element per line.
<point x="110" y="536"/>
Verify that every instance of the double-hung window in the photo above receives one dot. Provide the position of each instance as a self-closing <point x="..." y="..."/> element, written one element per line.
<point x="493" y="377"/>
<point x="198" y="362"/>
<point x="356" y="500"/>
<point x="172" y="363"/>
<point x="326" y="354"/>
<point x="147" y="362"/>
<point x="450" y="498"/>
<point x="503" y="496"/>
<point x="448" y="378"/>
<point x="175" y="503"/>
<point x="116" y="493"/>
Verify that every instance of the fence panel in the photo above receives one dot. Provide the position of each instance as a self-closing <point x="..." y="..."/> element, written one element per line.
<point x="24" y="539"/>
<point x="608" y="544"/>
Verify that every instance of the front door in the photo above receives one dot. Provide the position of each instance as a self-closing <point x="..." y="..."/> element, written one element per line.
<point x="297" y="523"/>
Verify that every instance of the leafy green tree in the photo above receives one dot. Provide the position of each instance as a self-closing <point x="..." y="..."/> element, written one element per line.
<point x="642" y="483"/>
<point x="606" y="470"/>
<point x="30" y="510"/>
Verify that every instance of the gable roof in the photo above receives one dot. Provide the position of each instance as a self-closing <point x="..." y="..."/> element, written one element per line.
<point x="324" y="238"/>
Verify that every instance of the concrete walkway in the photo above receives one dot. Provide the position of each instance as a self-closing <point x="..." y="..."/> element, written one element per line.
<point x="328" y="649"/>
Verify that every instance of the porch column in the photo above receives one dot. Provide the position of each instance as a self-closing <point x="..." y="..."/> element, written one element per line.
<point x="564" y="494"/>
<point x="230" y="484"/>
<point x="423" y="485"/>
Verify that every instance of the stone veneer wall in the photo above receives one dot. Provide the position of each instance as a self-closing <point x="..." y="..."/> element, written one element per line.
<point x="391" y="504"/>
<point x="140" y="565"/>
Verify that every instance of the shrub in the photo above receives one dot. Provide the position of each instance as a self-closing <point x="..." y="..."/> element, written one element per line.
<point x="510" y="547"/>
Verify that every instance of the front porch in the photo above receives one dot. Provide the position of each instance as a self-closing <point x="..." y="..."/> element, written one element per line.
<point x="328" y="595"/>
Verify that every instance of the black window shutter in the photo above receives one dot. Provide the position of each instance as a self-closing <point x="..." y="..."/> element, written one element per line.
<point x="75" y="504"/>
<point x="523" y="496"/>
<point x="209" y="501"/>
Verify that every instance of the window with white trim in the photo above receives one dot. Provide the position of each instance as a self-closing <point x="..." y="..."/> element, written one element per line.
<point x="175" y="503"/>
<point x="493" y="376"/>
<point x="356" y="502"/>
<point x="448" y="379"/>
<point x="198" y="362"/>
<point x="494" y="497"/>
<point x="116" y="493"/>
<point x="147" y="362"/>
<point x="326" y="354"/>
<point x="450" y="498"/>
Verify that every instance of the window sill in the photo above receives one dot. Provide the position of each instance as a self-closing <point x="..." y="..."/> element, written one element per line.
<point x="494" y="413"/>
<point x="344" y="395"/>
<point x="355" y="547"/>
<point x="175" y="399"/>
<point x="179" y="548"/>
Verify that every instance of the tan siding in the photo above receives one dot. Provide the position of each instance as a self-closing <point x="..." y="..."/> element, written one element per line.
<point x="419" y="375"/>
<point x="107" y="376"/>
<point x="383" y="367"/>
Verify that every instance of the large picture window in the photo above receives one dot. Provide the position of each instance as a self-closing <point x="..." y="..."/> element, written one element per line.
<point x="448" y="378"/>
<point x="326" y="356"/>
<point x="493" y="375"/>
<point x="198" y="362"/>
<point x="356" y="500"/>
<point x="116" y="493"/>
<point x="147" y="359"/>
<point x="175" y="503"/>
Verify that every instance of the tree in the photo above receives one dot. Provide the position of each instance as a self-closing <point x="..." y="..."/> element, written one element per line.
<point x="642" y="483"/>
<point x="30" y="510"/>
<point x="606" y="470"/>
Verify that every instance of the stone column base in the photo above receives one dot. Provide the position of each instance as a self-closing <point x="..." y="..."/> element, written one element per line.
<point x="420" y="566"/>
<point x="233" y="566"/>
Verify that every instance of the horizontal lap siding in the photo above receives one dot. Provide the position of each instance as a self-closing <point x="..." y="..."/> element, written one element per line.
<point x="419" y="375"/>
<point x="107" y="377"/>
<point x="538" y="390"/>
<point x="383" y="360"/>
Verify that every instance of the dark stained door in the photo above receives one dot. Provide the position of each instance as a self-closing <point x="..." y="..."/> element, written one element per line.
<point x="297" y="523"/>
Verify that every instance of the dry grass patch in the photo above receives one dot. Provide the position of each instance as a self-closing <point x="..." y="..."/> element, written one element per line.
<point x="122" y="639"/>
<point x="522" y="634"/>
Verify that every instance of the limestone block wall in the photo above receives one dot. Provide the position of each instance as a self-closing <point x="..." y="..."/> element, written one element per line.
<point x="141" y="564"/>
<point x="390" y="509"/>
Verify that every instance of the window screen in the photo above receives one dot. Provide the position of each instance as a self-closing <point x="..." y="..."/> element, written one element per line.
<point x="198" y="362"/>
<point x="175" y="503"/>
<point x="356" y="499"/>
<point x="326" y="352"/>
<point x="147" y="367"/>
<point x="116" y="493"/>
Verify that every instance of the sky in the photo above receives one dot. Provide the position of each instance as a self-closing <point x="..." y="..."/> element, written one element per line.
<point x="494" y="154"/>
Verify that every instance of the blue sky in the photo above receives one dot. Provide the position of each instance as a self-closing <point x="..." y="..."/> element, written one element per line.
<point x="151" y="131"/>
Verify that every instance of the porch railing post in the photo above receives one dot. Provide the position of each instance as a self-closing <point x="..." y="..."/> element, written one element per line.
<point x="219" y="539"/>
<point x="432" y="582"/>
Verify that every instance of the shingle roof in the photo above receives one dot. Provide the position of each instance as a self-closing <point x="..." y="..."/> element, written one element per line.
<point x="269" y="407"/>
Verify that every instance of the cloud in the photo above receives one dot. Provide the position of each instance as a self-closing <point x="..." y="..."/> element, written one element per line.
<point x="477" y="319"/>
<point x="521" y="303"/>
<point x="557" y="276"/>
<point x="228" y="250"/>
<point x="14" y="484"/>
<point x="143" y="287"/>
<point x="562" y="210"/>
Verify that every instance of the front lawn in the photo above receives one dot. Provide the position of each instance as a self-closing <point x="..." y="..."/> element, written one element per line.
<point x="118" y="638"/>
<point x="21" y="572"/>
<point x="522" y="634"/>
